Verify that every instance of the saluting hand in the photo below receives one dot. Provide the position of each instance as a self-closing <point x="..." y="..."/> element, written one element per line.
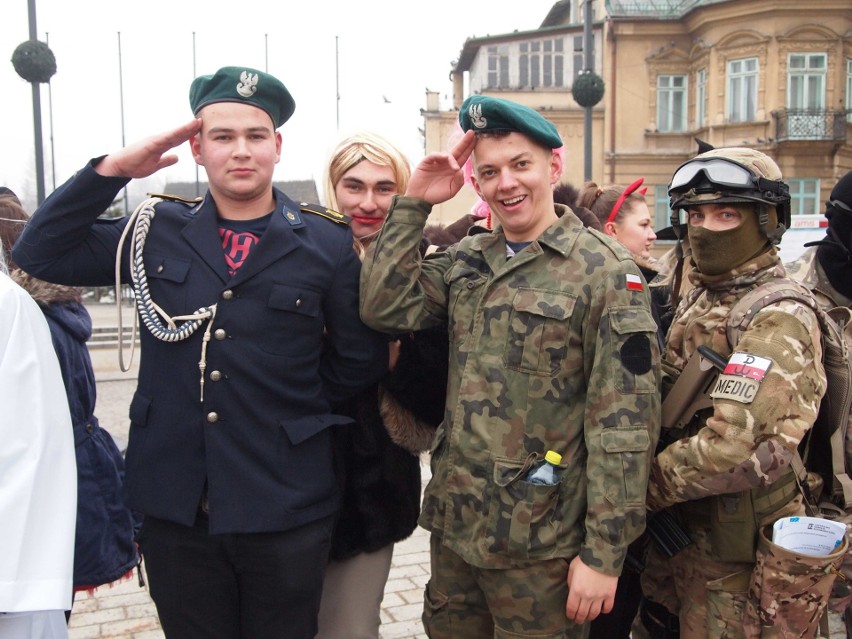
<point x="439" y="176"/>
<point x="148" y="156"/>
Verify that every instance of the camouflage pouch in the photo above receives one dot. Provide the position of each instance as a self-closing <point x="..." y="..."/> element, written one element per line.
<point x="725" y="604"/>
<point x="789" y="591"/>
<point x="733" y="527"/>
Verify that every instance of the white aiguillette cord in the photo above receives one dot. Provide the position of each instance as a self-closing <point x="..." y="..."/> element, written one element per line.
<point x="140" y="222"/>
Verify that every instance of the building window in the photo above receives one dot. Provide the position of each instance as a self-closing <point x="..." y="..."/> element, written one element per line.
<point x="849" y="90"/>
<point x="742" y="90"/>
<point x="578" y="56"/>
<point x="806" y="95"/>
<point x="700" y="98"/>
<point x="498" y="67"/>
<point x="806" y="81"/>
<point x="662" y="214"/>
<point x="804" y="196"/>
<point x="671" y="103"/>
<point x="542" y="63"/>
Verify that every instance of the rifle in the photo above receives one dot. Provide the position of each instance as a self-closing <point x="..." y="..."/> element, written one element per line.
<point x="691" y="391"/>
<point x="689" y="394"/>
<point x="666" y="532"/>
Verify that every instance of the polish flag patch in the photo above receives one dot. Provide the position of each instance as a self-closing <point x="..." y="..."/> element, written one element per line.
<point x="634" y="282"/>
<point x="747" y="365"/>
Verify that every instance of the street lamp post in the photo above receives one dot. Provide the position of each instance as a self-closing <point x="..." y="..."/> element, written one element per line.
<point x="588" y="89"/>
<point x="35" y="63"/>
<point x="39" y="143"/>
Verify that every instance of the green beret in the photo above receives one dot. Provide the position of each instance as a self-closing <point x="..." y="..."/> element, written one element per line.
<point x="484" y="113"/>
<point x="241" y="84"/>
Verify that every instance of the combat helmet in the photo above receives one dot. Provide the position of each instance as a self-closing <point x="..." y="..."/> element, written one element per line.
<point x="731" y="175"/>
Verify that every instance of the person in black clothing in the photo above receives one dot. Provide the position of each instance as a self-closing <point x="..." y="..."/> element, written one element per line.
<point x="393" y="421"/>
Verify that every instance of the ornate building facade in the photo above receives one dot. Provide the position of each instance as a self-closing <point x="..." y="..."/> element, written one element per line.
<point x="775" y="75"/>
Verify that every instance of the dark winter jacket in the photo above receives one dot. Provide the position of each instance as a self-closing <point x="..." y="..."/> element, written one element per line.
<point x="380" y="482"/>
<point x="104" y="549"/>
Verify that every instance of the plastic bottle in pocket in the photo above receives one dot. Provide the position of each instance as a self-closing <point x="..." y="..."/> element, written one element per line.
<point x="546" y="472"/>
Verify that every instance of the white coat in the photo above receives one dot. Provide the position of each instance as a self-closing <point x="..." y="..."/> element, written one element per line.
<point x="38" y="475"/>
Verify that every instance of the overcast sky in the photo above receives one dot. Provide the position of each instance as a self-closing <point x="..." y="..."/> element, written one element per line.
<point x="391" y="49"/>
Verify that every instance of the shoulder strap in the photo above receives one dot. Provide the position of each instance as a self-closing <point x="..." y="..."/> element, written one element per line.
<point x="327" y="213"/>
<point x="176" y="198"/>
<point x="762" y="296"/>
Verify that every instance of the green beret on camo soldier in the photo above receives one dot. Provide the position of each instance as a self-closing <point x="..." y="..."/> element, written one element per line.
<point x="482" y="113"/>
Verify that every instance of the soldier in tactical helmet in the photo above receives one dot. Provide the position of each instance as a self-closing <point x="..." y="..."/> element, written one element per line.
<point x="552" y="349"/>
<point x="726" y="473"/>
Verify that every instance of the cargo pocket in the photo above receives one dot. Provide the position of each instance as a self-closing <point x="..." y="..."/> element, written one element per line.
<point x="789" y="591"/>
<point x="632" y="334"/>
<point x="523" y="521"/>
<point x="436" y="613"/>
<point x="725" y="603"/>
<point x="538" y="332"/>
<point x="630" y="448"/>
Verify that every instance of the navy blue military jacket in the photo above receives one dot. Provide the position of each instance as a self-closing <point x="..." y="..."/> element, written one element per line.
<point x="285" y="342"/>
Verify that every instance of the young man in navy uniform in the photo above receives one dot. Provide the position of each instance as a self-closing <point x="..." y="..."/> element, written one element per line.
<point x="229" y="458"/>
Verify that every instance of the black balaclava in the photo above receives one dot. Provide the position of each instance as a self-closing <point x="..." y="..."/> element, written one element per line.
<point x="835" y="251"/>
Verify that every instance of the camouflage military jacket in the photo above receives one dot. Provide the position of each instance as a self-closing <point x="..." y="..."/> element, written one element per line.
<point x="748" y="439"/>
<point x="552" y="349"/>
<point x="808" y="271"/>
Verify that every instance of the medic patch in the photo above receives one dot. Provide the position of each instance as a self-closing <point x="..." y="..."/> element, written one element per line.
<point x="741" y="378"/>
<point x="634" y="282"/>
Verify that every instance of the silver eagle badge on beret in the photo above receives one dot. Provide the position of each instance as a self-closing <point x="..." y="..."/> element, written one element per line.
<point x="476" y="117"/>
<point x="247" y="85"/>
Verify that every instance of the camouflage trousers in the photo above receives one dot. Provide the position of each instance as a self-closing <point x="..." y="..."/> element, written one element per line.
<point x="698" y="589"/>
<point x="841" y="596"/>
<point x="733" y="600"/>
<point x="465" y="602"/>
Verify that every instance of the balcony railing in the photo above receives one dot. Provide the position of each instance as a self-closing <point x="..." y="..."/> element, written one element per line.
<point x="661" y="9"/>
<point x="809" y="124"/>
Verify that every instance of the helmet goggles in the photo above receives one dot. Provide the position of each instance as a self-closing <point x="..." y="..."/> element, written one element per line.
<point x="717" y="172"/>
<point x="699" y="178"/>
<point x="718" y="180"/>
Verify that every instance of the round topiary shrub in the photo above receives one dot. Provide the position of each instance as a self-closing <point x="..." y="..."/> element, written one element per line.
<point x="34" y="61"/>
<point x="588" y="89"/>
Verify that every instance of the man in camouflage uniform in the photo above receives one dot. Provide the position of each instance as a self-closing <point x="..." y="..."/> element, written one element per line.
<point x="826" y="269"/>
<point x="552" y="348"/>
<point x="727" y="472"/>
